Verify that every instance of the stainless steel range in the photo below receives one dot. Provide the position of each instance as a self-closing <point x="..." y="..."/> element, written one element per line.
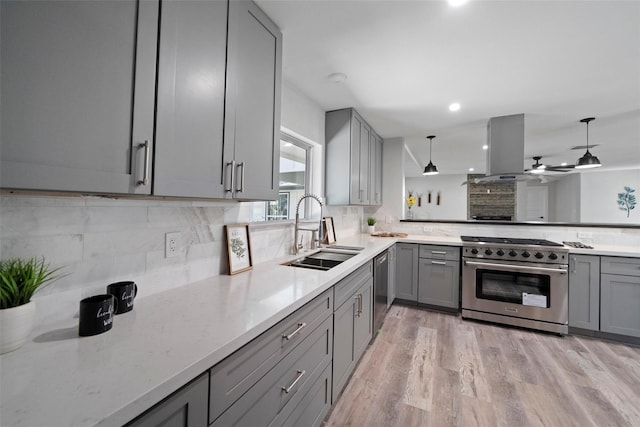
<point x="520" y="282"/>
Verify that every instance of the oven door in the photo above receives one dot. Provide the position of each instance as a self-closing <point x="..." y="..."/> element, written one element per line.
<point x="530" y="291"/>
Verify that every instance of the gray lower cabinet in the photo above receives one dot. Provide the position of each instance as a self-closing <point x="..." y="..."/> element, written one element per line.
<point x="584" y="292"/>
<point x="352" y="322"/>
<point x="439" y="276"/>
<point x="185" y="408"/>
<point x="391" y="288"/>
<point x="251" y="155"/>
<point x="407" y="271"/>
<point x="620" y="296"/>
<point x="78" y="87"/>
<point x="190" y="110"/>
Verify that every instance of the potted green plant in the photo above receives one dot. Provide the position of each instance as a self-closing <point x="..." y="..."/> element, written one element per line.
<point x="19" y="280"/>
<point x="371" y="223"/>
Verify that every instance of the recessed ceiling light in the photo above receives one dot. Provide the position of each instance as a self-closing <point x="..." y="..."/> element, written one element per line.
<point x="456" y="3"/>
<point x="454" y="107"/>
<point x="485" y="147"/>
<point x="471" y="169"/>
<point x="337" y="77"/>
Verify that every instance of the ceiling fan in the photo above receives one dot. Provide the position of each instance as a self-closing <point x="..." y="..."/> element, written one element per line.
<point x="538" y="167"/>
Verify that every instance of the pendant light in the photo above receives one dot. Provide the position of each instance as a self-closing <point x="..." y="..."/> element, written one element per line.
<point x="588" y="160"/>
<point x="430" y="169"/>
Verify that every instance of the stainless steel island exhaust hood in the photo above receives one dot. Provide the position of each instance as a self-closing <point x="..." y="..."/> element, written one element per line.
<point x="505" y="155"/>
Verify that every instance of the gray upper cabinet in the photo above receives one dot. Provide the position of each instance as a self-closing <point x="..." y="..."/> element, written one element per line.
<point x="78" y="85"/>
<point x="190" y="99"/>
<point x="251" y="153"/>
<point x="584" y="292"/>
<point x="375" y="182"/>
<point x="352" y="169"/>
<point x="407" y="271"/>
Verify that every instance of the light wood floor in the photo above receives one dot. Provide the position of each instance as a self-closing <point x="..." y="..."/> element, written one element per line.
<point x="435" y="369"/>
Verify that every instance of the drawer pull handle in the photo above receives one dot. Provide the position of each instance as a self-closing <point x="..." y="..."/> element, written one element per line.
<point x="294" y="333"/>
<point x="147" y="159"/>
<point x="439" y="262"/>
<point x="293" y="384"/>
<point x="439" y="252"/>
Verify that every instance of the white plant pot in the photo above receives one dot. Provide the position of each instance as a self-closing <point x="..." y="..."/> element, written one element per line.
<point x="16" y="324"/>
<point x="371" y="229"/>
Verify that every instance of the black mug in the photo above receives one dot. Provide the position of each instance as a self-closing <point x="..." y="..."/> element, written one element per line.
<point x="96" y="314"/>
<point x="124" y="292"/>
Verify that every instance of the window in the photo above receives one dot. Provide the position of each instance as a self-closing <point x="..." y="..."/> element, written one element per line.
<point x="295" y="173"/>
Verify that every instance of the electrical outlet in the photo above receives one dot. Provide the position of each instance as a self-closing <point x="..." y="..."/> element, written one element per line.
<point x="427" y="229"/>
<point x="585" y="235"/>
<point x="172" y="243"/>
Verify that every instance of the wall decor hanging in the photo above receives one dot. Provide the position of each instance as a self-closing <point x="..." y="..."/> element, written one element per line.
<point x="627" y="200"/>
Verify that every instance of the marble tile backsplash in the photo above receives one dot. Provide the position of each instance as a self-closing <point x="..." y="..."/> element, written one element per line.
<point x="101" y="240"/>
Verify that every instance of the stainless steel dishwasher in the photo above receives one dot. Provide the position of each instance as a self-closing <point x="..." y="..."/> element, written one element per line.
<point x="380" y="278"/>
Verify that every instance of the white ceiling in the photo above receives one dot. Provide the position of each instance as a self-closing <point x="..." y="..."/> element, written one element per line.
<point x="406" y="61"/>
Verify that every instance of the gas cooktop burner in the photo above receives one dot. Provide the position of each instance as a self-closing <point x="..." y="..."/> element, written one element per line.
<point x="509" y="241"/>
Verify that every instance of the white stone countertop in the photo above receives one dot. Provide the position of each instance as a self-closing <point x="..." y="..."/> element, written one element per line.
<point x="607" y="250"/>
<point x="60" y="379"/>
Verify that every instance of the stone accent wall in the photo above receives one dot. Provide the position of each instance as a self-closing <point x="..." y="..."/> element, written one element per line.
<point x="491" y="199"/>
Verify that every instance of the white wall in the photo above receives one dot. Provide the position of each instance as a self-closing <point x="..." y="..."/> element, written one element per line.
<point x="599" y="196"/>
<point x="567" y="198"/>
<point x="453" y="197"/>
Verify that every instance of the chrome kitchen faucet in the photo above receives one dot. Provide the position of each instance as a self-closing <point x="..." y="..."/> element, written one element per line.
<point x="317" y="235"/>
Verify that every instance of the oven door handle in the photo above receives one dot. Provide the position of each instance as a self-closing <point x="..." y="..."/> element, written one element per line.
<point x="519" y="267"/>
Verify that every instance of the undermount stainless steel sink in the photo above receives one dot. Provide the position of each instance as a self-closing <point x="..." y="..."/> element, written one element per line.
<point x="323" y="259"/>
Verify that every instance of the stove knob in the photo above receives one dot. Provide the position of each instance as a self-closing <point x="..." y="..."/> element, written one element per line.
<point x="553" y="256"/>
<point x="488" y="252"/>
<point x="526" y="254"/>
<point x="474" y="251"/>
<point x="513" y="253"/>
<point x="539" y="255"/>
<point x="500" y="252"/>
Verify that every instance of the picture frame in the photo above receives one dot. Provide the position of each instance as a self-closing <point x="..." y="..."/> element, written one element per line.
<point x="328" y="229"/>
<point x="238" y="241"/>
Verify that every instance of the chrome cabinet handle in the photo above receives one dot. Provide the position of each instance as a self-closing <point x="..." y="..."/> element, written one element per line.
<point x="300" y="327"/>
<point x="573" y="266"/>
<point x="439" y="252"/>
<point x="147" y="159"/>
<point x="231" y="177"/>
<point x="439" y="262"/>
<point x="241" y="167"/>
<point x="293" y="384"/>
<point x="359" y="305"/>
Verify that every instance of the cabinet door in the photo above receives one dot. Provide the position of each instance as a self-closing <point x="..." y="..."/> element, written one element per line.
<point x="363" y="176"/>
<point x="78" y="85"/>
<point x="252" y="111"/>
<point x="584" y="292"/>
<point x="343" y="351"/>
<point x="391" y="289"/>
<point x="620" y="299"/>
<point x="363" y="326"/>
<point x="184" y="408"/>
<point x="190" y="102"/>
<point x="407" y="271"/>
<point x="357" y="125"/>
<point x="439" y="283"/>
<point x="375" y="173"/>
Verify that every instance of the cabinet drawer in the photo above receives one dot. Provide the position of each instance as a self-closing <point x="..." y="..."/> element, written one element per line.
<point x="440" y="252"/>
<point x="312" y="408"/>
<point x="345" y="288"/>
<point x="619" y="265"/>
<point x="296" y="372"/>
<point x="236" y="374"/>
